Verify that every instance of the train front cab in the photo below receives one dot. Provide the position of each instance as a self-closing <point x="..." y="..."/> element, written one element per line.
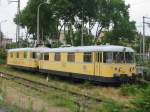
<point x="115" y="66"/>
<point x="98" y="66"/>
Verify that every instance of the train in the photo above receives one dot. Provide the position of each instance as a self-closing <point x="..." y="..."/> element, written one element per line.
<point x="100" y="63"/>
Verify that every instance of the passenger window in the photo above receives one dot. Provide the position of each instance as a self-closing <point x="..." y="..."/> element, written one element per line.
<point x="25" y="54"/>
<point x="33" y="55"/>
<point x="98" y="57"/>
<point x="46" y="56"/>
<point x="11" y="55"/>
<point x="107" y="57"/>
<point x="88" y="57"/>
<point x="57" y="57"/>
<point x="17" y="54"/>
<point x="71" y="57"/>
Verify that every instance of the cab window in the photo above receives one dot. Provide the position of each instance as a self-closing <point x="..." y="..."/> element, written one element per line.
<point x="71" y="57"/>
<point x="57" y="57"/>
<point x="118" y="57"/>
<point x="87" y="57"/>
<point x="129" y="57"/>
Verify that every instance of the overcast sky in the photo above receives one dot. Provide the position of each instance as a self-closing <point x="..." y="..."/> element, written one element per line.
<point x="139" y="8"/>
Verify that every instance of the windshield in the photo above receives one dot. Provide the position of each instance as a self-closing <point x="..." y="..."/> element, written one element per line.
<point x="130" y="57"/>
<point x="118" y="57"/>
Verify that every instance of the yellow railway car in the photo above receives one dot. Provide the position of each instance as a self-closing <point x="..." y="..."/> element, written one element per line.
<point x="105" y="63"/>
<point x="23" y="58"/>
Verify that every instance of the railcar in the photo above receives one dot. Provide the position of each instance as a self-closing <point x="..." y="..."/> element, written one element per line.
<point x="25" y="58"/>
<point x="105" y="63"/>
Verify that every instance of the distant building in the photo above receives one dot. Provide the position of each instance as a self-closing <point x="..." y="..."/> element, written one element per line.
<point x="61" y="39"/>
<point x="4" y="42"/>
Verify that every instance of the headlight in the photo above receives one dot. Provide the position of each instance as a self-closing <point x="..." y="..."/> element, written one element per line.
<point x="116" y="69"/>
<point x="132" y="69"/>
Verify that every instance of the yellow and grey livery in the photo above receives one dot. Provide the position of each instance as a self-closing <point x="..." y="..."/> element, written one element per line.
<point x="104" y="63"/>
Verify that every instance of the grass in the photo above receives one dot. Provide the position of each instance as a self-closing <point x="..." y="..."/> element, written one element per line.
<point x="115" y="99"/>
<point x="2" y="61"/>
<point x="96" y="91"/>
<point x="19" y="96"/>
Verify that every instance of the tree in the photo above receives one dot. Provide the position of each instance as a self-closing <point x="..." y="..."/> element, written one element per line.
<point x="28" y="19"/>
<point x="74" y="15"/>
<point x="122" y="34"/>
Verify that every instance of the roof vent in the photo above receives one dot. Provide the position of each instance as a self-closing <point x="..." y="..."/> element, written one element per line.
<point x="107" y="43"/>
<point x="67" y="45"/>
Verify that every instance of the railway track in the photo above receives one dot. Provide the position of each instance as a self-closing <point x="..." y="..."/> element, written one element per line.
<point x="41" y="87"/>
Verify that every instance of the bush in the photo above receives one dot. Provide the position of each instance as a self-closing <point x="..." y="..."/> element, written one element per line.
<point x="142" y="102"/>
<point x="128" y="90"/>
<point x="3" y="55"/>
<point x="111" y="106"/>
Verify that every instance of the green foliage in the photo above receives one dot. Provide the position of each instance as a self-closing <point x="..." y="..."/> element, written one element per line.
<point x="68" y="14"/>
<point x="111" y="106"/>
<point x="142" y="102"/>
<point x="2" y="56"/>
<point x="129" y="90"/>
<point x="75" y="40"/>
<point x="28" y="17"/>
<point x="123" y="33"/>
<point x="148" y="71"/>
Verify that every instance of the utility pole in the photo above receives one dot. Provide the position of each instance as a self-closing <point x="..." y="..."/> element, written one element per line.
<point x="82" y="40"/>
<point x="148" y="23"/>
<point x="18" y="22"/>
<point x="38" y="21"/>
<point x="143" y="37"/>
<point x="1" y="34"/>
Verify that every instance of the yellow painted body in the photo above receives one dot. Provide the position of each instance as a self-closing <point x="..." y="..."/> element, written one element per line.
<point x="93" y="68"/>
<point x="21" y="61"/>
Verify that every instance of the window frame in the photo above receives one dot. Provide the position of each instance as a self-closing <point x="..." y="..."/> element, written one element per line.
<point x="99" y="57"/>
<point x="106" y="62"/>
<point x="11" y="54"/>
<point x="33" y="55"/>
<point x="44" y="58"/>
<point x="17" y="55"/>
<point x="57" y="56"/>
<point x="25" y="55"/>
<point x="85" y="59"/>
<point x="71" y="57"/>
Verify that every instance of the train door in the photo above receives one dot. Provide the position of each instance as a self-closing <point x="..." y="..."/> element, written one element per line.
<point x="98" y="60"/>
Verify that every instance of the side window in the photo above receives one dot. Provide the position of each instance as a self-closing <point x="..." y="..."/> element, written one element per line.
<point x="88" y="57"/>
<point x="46" y="56"/>
<point x="107" y="57"/>
<point x="71" y="57"/>
<point x="33" y="55"/>
<point x="17" y="55"/>
<point x="98" y="57"/>
<point x="25" y="54"/>
<point x="57" y="57"/>
<point x="11" y="55"/>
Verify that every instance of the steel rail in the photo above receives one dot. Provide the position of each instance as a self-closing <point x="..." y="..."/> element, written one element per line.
<point x="30" y="83"/>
